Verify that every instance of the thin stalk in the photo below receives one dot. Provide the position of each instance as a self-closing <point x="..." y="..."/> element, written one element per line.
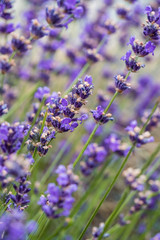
<point x="93" y="132"/>
<point x="12" y="55"/>
<point x="33" y="123"/>
<point x="117" y="175"/>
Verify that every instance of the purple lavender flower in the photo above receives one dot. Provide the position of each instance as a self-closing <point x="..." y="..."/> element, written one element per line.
<point x="37" y="31"/>
<point x="41" y="93"/>
<point x="11" y="136"/>
<point x="121" y="84"/>
<point x="133" y="179"/>
<point x="20" y="45"/>
<point x="100" y="116"/>
<point x="14" y="227"/>
<point x="59" y="200"/>
<point x="135" y="136"/>
<point x="5" y="64"/>
<point x="131" y="63"/>
<point x="151" y="29"/>
<point x="95" y="155"/>
<point x="3" y="108"/>
<point x="141" y="49"/>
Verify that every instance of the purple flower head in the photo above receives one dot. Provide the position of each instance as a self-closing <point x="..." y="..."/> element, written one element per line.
<point x="37" y="31"/>
<point x="11" y="136"/>
<point x="41" y="93"/>
<point x="131" y="62"/>
<point x="133" y="179"/>
<point x="78" y="12"/>
<point x="148" y="10"/>
<point x="59" y="200"/>
<point x="5" y="64"/>
<point x="14" y="226"/>
<point x="135" y="136"/>
<point x="20" y="44"/>
<point x="141" y="49"/>
<point x="100" y="116"/>
<point x="151" y="29"/>
<point x="121" y="84"/>
<point x="127" y="56"/>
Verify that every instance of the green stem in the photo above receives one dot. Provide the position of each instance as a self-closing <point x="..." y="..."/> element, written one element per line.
<point x="93" y="132"/>
<point x="12" y="55"/>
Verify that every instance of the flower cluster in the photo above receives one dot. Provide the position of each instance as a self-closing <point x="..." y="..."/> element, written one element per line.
<point x="140" y="49"/>
<point x="151" y="29"/>
<point x="133" y="179"/>
<point x="131" y="62"/>
<point x="135" y="136"/>
<point x="5" y="64"/>
<point x="65" y="13"/>
<point x="95" y="155"/>
<point x="11" y="136"/>
<point x="114" y="144"/>
<point x="14" y="226"/>
<point x="20" y="199"/>
<point x="147" y="198"/>
<point x="61" y="114"/>
<point x="14" y="167"/>
<point x="59" y="200"/>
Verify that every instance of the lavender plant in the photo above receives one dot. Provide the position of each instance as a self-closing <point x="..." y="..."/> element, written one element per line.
<point x="79" y="119"/>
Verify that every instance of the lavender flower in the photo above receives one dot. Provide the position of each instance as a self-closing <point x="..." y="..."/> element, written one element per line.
<point x="14" y="227"/>
<point x="151" y="29"/>
<point x="133" y="179"/>
<point x="141" y="49"/>
<point x="3" y="108"/>
<point x="135" y="136"/>
<point x="121" y="84"/>
<point x="131" y="62"/>
<point x="95" y="156"/>
<point x="100" y="116"/>
<point x="59" y="200"/>
<point x="37" y="31"/>
<point x="11" y="136"/>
